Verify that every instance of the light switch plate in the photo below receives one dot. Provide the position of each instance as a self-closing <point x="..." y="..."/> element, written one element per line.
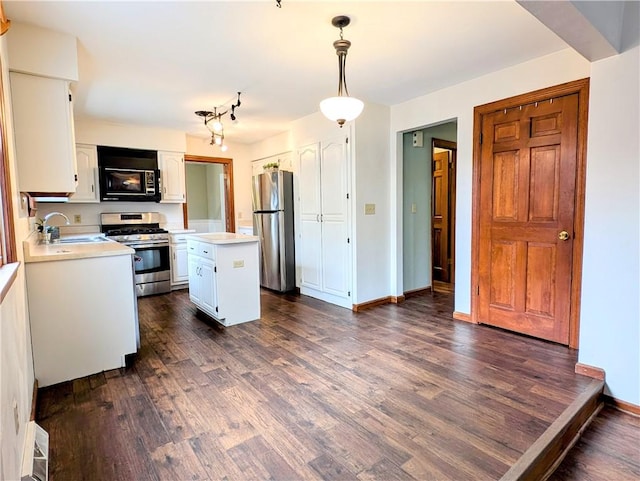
<point x="239" y="263"/>
<point x="369" y="209"/>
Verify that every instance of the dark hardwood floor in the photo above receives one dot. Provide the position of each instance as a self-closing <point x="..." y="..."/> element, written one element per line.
<point x="609" y="449"/>
<point x="310" y="391"/>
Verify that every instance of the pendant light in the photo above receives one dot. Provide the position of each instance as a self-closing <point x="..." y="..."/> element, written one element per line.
<point x="342" y="108"/>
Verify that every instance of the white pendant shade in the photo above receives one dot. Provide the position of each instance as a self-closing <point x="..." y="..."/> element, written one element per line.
<point x="341" y="108"/>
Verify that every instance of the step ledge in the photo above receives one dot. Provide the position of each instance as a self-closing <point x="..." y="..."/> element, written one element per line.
<point x="546" y="454"/>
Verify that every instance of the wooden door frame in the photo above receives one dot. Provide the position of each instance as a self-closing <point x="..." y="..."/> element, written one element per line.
<point x="580" y="87"/>
<point x="452" y="146"/>
<point x="227" y="166"/>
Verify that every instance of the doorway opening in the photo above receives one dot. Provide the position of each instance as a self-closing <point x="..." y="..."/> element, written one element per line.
<point x="209" y="206"/>
<point x="421" y="272"/>
<point x="443" y="201"/>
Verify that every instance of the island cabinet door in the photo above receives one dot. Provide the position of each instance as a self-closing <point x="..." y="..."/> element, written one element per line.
<point x="208" y="297"/>
<point x="194" y="279"/>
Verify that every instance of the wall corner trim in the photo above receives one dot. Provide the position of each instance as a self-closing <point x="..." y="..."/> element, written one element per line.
<point x="591" y="371"/>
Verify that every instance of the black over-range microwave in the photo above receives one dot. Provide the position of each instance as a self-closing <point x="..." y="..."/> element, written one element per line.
<point x="128" y="174"/>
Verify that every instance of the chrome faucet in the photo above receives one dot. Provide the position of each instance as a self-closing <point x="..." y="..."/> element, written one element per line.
<point x="46" y="219"/>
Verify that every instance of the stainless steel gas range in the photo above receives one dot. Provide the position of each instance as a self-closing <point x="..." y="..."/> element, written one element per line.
<point x="142" y="232"/>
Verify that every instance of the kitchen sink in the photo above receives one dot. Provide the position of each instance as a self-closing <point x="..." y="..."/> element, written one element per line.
<point x="89" y="239"/>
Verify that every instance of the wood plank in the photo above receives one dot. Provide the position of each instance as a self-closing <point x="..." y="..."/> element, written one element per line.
<point x="547" y="451"/>
<point x="311" y="391"/>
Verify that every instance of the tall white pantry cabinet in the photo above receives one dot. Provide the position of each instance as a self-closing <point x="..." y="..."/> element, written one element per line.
<point x="324" y="254"/>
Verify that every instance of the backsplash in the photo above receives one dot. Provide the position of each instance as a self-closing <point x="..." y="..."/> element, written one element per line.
<point x="86" y="217"/>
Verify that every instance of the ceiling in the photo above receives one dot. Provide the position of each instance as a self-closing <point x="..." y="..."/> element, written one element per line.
<point x="156" y="63"/>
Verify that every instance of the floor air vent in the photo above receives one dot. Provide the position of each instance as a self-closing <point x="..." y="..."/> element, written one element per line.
<point x="35" y="463"/>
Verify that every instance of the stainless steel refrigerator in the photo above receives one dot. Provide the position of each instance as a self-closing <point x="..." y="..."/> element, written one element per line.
<point x="273" y="224"/>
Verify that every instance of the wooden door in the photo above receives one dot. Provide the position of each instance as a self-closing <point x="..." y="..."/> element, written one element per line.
<point x="441" y="215"/>
<point x="526" y="217"/>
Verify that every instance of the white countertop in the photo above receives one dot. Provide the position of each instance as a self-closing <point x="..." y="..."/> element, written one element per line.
<point x="36" y="252"/>
<point x="223" y="238"/>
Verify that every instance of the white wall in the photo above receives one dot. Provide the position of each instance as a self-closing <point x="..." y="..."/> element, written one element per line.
<point x="372" y="238"/>
<point x="170" y="214"/>
<point x="458" y="102"/>
<point x="16" y="361"/>
<point x="100" y="132"/>
<point x="610" y="308"/>
<point x="40" y="51"/>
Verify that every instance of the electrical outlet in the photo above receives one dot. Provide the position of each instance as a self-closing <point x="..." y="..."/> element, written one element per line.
<point x="369" y="209"/>
<point x="77" y="219"/>
<point x="239" y="263"/>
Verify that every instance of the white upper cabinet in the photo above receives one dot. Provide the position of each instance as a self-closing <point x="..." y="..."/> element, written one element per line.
<point x="43" y="130"/>
<point x="87" y="190"/>
<point x="284" y="161"/>
<point x="172" y="176"/>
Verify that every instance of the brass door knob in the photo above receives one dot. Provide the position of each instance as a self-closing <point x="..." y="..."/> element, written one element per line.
<point x="564" y="235"/>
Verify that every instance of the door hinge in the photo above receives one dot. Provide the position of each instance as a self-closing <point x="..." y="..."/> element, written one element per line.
<point x="215" y="269"/>
<point x="348" y="293"/>
<point x="348" y="240"/>
<point x="347" y="195"/>
<point x="75" y="177"/>
<point x="70" y="98"/>
<point x="477" y="290"/>
<point x="216" y="308"/>
<point x="480" y="139"/>
<point x="346" y="140"/>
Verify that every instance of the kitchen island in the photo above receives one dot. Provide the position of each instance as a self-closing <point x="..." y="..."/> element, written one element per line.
<point x="82" y="306"/>
<point x="224" y="276"/>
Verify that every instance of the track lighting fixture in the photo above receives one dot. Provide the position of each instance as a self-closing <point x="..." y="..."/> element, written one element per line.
<point x="213" y="122"/>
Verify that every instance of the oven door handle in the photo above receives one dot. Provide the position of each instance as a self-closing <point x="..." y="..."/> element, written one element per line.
<point x="145" y="245"/>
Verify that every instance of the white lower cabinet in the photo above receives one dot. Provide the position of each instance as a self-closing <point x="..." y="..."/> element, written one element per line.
<point x="224" y="277"/>
<point x="83" y="316"/>
<point x="179" y="262"/>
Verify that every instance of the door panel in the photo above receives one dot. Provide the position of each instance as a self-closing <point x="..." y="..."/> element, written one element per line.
<point x="334" y="180"/>
<point x="335" y="255"/>
<point x="527" y="197"/>
<point x="309" y="253"/>
<point x="440" y="218"/>
<point x="309" y="181"/>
